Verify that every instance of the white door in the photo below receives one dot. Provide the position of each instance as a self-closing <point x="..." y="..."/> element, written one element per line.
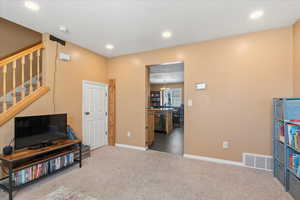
<point x="94" y="114"/>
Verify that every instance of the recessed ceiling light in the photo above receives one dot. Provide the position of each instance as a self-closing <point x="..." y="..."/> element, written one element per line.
<point x="167" y="34"/>
<point x="109" y="46"/>
<point x="32" y="5"/>
<point x="257" y="14"/>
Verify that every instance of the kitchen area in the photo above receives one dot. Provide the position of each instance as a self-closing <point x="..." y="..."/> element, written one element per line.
<point x="165" y="113"/>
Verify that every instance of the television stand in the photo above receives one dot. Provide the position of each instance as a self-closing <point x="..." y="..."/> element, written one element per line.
<point x="35" y="147"/>
<point x="36" y="164"/>
<point x="38" y="146"/>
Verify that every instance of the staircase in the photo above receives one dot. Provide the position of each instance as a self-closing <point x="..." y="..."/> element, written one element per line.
<point x="21" y="81"/>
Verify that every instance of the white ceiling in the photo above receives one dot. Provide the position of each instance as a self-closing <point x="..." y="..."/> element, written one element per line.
<point x="136" y="25"/>
<point x="167" y="73"/>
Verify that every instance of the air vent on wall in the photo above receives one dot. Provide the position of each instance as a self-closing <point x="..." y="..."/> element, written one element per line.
<point x="257" y="161"/>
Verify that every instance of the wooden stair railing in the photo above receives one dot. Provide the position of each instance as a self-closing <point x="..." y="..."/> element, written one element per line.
<point x="21" y="81"/>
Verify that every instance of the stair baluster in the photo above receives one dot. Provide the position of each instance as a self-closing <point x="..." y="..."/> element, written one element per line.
<point x="38" y="68"/>
<point x="23" y="77"/>
<point x="14" y="82"/>
<point x="4" y="88"/>
<point x="30" y="71"/>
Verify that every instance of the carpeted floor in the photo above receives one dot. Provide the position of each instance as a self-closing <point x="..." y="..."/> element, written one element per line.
<point x="123" y="174"/>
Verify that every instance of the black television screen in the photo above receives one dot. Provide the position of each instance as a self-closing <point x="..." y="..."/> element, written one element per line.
<point x="36" y="130"/>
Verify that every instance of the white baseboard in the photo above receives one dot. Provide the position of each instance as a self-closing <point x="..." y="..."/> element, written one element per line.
<point x="215" y="160"/>
<point x="132" y="147"/>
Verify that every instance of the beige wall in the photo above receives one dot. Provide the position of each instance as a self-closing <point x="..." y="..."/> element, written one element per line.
<point x="243" y="74"/>
<point x="297" y="59"/>
<point x="84" y="65"/>
<point x="156" y="87"/>
<point x="14" y="37"/>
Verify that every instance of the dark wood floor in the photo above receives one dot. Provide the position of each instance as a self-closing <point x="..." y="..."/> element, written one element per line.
<point x="170" y="143"/>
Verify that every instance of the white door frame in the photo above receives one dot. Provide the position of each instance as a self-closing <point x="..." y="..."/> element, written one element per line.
<point x="84" y="82"/>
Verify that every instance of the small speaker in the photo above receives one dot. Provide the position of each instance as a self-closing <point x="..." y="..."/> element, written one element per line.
<point x="7" y="150"/>
<point x="55" y="39"/>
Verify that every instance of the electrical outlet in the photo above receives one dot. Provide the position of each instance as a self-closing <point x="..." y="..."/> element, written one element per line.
<point x="225" y="144"/>
<point x="129" y="134"/>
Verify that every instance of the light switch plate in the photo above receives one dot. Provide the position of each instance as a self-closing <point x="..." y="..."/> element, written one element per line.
<point x="201" y="86"/>
<point x="64" y="57"/>
<point x="225" y="144"/>
<point x="190" y="103"/>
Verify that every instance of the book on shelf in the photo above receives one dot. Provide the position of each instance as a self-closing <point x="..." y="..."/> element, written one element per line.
<point x="42" y="169"/>
<point x="293" y="132"/>
<point x="294" y="163"/>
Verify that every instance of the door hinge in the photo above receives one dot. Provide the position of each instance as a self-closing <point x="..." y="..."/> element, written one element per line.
<point x="105" y="113"/>
<point x="105" y="132"/>
<point x="106" y="94"/>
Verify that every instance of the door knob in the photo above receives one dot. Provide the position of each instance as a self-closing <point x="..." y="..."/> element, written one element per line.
<point x="87" y="113"/>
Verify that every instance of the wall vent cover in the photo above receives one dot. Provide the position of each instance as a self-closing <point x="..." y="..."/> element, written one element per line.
<point x="257" y="161"/>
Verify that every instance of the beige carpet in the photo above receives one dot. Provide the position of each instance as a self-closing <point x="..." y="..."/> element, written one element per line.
<point x="64" y="193"/>
<point x="117" y="173"/>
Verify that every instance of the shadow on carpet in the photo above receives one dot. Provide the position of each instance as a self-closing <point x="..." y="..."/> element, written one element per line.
<point x="64" y="193"/>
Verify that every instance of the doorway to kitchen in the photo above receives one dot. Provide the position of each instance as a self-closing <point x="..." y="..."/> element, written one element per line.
<point x="165" y="107"/>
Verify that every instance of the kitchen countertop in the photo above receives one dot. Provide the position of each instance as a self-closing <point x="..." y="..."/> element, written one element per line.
<point x="159" y="109"/>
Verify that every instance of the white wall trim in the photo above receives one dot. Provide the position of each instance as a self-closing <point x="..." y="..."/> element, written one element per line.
<point x="132" y="147"/>
<point x="94" y="83"/>
<point x="215" y="160"/>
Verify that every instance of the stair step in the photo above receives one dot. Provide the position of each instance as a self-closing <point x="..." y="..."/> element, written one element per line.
<point x="28" y="85"/>
<point x="18" y="94"/>
<point x="8" y="105"/>
<point x="7" y="101"/>
<point x="21" y="105"/>
<point x="18" y="97"/>
<point x="25" y="88"/>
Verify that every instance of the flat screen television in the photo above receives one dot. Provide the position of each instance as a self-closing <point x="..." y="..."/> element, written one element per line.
<point x="38" y="130"/>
